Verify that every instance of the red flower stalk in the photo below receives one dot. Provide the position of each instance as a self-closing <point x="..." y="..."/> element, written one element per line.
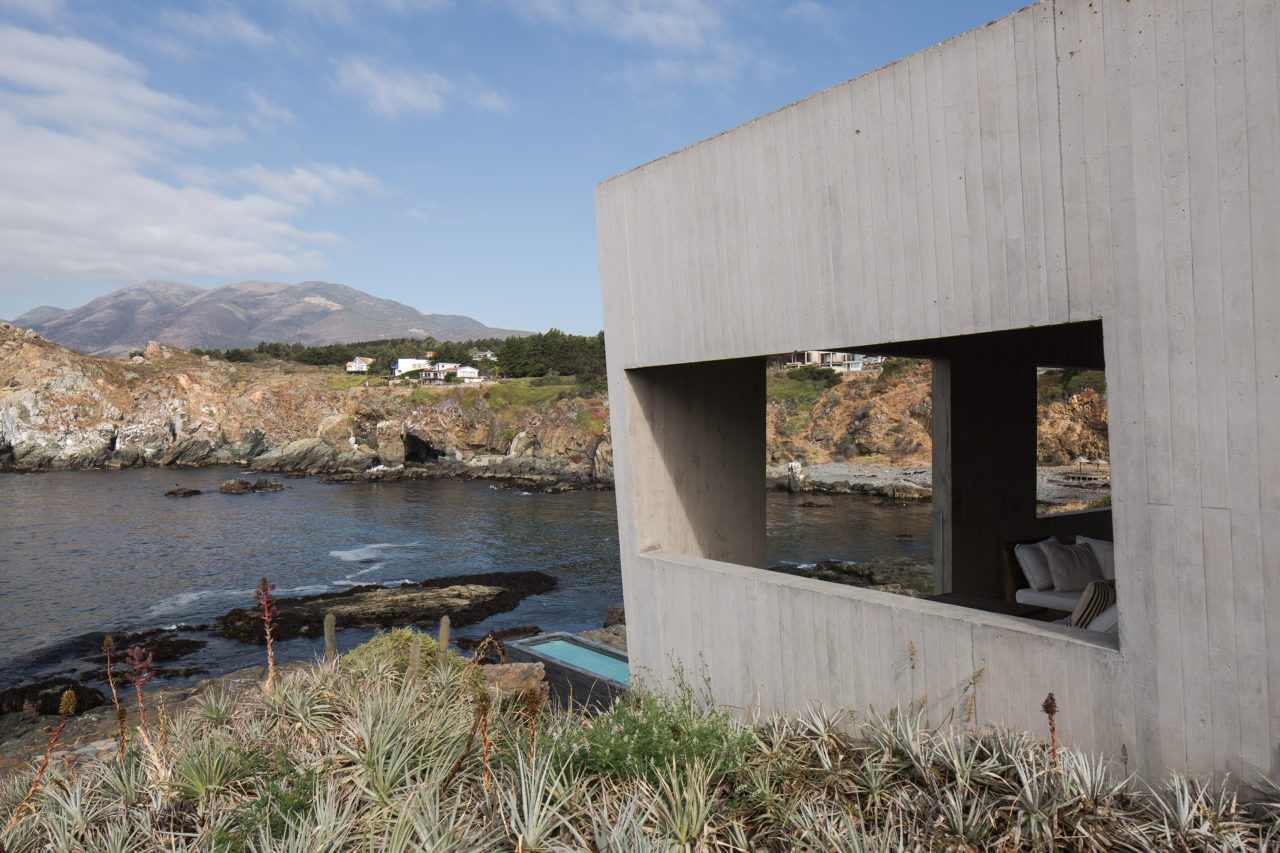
<point x="268" y="603"/>
<point x="66" y="708"/>
<point x="139" y="660"/>
<point x="1050" y="708"/>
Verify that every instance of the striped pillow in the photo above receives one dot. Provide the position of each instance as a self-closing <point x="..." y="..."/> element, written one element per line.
<point x="1097" y="597"/>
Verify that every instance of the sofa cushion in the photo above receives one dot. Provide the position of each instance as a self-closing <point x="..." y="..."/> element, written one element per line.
<point x="1106" y="622"/>
<point x="1049" y="598"/>
<point x="1097" y="597"/>
<point x="1072" y="567"/>
<point x="1032" y="562"/>
<point x="1105" y="552"/>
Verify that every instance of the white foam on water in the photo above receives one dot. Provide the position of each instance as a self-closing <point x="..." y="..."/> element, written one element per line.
<point x="183" y="601"/>
<point x="309" y="589"/>
<point x="368" y="553"/>
<point x="357" y="555"/>
<point x="365" y="571"/>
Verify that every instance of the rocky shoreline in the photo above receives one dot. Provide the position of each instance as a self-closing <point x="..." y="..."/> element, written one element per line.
<point x="465" y="599"/>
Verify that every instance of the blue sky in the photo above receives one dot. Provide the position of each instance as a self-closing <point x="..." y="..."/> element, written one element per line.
<point x="442" y="153"/>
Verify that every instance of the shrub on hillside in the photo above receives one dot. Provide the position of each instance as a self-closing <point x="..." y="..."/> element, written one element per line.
<point x="812" y="373"/>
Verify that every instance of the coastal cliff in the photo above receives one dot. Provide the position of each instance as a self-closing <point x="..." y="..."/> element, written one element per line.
<point x="60" y="409"/>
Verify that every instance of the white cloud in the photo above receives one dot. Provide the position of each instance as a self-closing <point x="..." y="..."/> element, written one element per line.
<point x="809" y="11"/>
<point x="44" y="9"/>
<point x="715" y="69"/>
<point x="264" y="113"/>
<point x="349" y="11"/>
<point x="299" y="186"/>
<point x="390" y="92"/>
<point x="663" y="24"/>
<point x="680" y="42"/>
<point x="220" y="24"/>
<point x="85" y="144"/>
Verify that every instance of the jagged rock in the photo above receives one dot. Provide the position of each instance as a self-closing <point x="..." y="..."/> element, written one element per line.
<point x="391" y="449"/>
<point x="338" y="432"/>
<point x="515" y="680"/>
<point x="519" y="632"/>
<point x="250" y="443"/>
<point x="617" y="616"/>
<point x="44" y="697"/>
<point x="241" y="486"/>
<point x="181" y="492"/>
<point x="522" y="443"/>
<point x="464" y="599"/>
<point x="603" y="467"/>
<point x="314" y="455"/>
<point x="905" y="490"/>
<point x="189" y="452"/>
<point x="796" y="480"/>
<point x="614" y="636"/>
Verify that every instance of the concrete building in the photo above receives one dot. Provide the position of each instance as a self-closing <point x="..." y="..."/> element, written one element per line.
<point x="1092" y="184"/>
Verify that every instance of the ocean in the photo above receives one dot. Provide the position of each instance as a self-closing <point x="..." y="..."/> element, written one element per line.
<point x="85" y="553"/>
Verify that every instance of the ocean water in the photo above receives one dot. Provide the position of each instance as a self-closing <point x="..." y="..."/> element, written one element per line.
<point x="83" y="553"/>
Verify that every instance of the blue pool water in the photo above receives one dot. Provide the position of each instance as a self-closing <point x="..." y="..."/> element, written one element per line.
<point x="606" y="666"/>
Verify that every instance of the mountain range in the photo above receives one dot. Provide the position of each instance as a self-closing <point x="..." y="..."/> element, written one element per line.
<point x="241" y="315"/>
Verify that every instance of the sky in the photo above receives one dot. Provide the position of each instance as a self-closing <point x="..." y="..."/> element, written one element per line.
<point x="441" y="153"/>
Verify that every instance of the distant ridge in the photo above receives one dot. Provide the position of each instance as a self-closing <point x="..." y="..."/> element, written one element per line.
<point x="241" y="315"/>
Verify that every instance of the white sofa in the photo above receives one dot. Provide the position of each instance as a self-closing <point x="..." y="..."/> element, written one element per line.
<point x="1030" y="581"/>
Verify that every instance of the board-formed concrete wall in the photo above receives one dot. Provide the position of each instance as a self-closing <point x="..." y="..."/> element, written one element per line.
<point x="1115" y="160"/>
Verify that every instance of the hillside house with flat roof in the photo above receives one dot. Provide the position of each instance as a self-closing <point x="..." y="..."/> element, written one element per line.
<point x="1088" y="184"/>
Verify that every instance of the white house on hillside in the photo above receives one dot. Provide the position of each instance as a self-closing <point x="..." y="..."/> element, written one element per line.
<point x="841" y="362"/>
<point x="359" y="364"/>
<point x="405" y="365"/>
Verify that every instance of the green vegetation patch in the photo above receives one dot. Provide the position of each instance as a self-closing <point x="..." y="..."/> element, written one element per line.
<point x="391" y="650"/>
<point x="896" y="369"/>
<point x="801" y="390"/>
<point x="592" y="421"/>
<point x="1063" y="383"/>
<point x="644" y="733"/>
<point x="512" y="394"/>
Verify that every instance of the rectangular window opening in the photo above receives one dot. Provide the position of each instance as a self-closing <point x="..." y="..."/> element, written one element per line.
<point x="1073" y="457"/>
<point x="848" y="453"/>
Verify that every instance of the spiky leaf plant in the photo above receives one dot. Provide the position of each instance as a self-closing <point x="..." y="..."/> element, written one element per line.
<point x="205" y="769"/>
<point x="622" y="822"/>
<point x="427" y="824"/>
<point x="216" y="708"/>
<point x="683" y="799"/>
<point x="535" y="798"/>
